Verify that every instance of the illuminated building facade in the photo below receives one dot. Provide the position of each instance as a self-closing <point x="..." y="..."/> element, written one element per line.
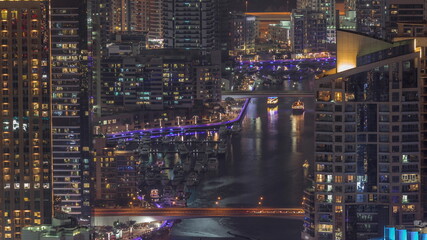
<point x="129" y="15"/>
<point x="160" y="79"/>
<point x="244" y="33"/>
<point x="381" y="19"/>
<point x="116" y="174"/>
<point x="70" y="109"/>
<point x="327" y="7"/>
<point x="190" y="24"/>
<point x="406" y="13"/>
<point x="155" y="23"/>
<point x="308" y="31"/>
<point x="367" y="171"/>
<point x="371" y="18"/>
<point x="26" y="179"/>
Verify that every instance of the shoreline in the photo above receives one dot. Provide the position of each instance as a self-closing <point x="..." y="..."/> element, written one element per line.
<point x="180" y="128"/>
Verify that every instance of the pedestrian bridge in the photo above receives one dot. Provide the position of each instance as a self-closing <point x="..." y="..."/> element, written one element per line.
<point x="107" y="216"/>
<point x="256" y="94"/>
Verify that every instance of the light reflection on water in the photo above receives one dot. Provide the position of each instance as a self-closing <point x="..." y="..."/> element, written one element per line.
<point x="265" y="160"/>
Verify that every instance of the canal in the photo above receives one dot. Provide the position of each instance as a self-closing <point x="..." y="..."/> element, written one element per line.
<point x="265" y="159"/>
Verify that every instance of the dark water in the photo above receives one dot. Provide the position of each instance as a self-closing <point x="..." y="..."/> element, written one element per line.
<point x="266" y="160"/>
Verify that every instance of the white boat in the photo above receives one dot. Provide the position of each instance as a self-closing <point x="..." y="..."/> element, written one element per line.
<point x="178" y="177"/>
<point x="192" y="179"/>
<point x="223" y="130"/>
<point x="146" y="139"/>
<point x="165" y="179"/>
<point x="209" y="149"/>
<point x="180" y="203"/>
<point x="198" y="167"/>
<point x="150" y="178"/>
<point x="236" y="127"/>
<point x="182" y="149"/>
<point x="222" y="148"/>
<point x="145" y="150"/>
<point x="212" y="163"/>
<point x="167" y="140"/>
<point x="186" y="165"/>
<point x="298" y="107"/>
<point x="180" y="190"/>
<point x="178" y="139"/>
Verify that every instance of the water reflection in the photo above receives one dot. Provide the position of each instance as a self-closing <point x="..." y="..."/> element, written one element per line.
<point x="297" y="123"/>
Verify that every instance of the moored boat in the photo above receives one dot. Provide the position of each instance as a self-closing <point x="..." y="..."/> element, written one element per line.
<point x="272" y="101"/>
<point x="298" y="107"/>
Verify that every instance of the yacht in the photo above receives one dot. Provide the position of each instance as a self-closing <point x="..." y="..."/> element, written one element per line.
<point x="305" y="164"/>
<point x="222" y="148"/>
<point x="192" y="179"/>
<point x="212" y="163"/>
<point x="165" y="179"/>
<point x="236" y="127"/>
<point x="186" y="164"/>
<point x="150" y="178"/>
<point x="182" y="149"/>
<point x="209" y="149"/>
<point x="198" y="167"/>
<point x="178" y="177"/>
<point x="222" y="130"/>
<point x="146" y="139"/>
<point x="167" y="140"/>
<point x="272" y="101"/>
<point x="145" y="150"/>
<point x="298" y="107"/>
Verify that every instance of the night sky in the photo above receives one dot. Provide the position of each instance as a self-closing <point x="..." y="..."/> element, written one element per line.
<point x="269" y="5"/>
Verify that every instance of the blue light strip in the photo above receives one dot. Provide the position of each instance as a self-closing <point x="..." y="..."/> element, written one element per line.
<point x="140" y="132"/>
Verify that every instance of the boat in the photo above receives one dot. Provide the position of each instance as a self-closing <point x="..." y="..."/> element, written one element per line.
<point x="298" y="107"/>
<point x="222" y="148"/>
<point x="167" y="140"/>
<point x="182" y="149"/>
<point x="150" y="178"/>
<point x="236" y="127"/>
<point x="192" y="179"/>
<point x="178" y="178"/>
<point x="272" y="101"/>
<point x="165" y="179"/>
<point x="222" y="130"/>
<point x="186" y="164"/>
<point x="305" y="164"/>
<point x="146" y="139"/>
<point x="212" y="163"/>
<point x="145" y="150"/>
<point x="198" y="167"/>
<point x="209" y="149"/>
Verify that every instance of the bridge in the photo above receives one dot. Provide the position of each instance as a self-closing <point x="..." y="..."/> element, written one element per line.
<point x="257" y="94"/>
<point x="107" y="216"/>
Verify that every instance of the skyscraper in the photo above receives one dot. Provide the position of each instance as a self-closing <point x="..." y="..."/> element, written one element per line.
<point x="367" y="141"/>
<point x="371" y="17"/>
<point x="327" y="8"/>
<point x="26" y="198"/>
<point x="70" y="108"/>
<point x="308" y="31"/>
<point x="189" y="24"/>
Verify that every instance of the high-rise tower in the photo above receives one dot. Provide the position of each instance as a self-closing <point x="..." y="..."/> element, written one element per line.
<point x="25" y="149"/>
<point x="190" y="24"/>
<point x="367" y="140"/>
<point x="70" y="108"/>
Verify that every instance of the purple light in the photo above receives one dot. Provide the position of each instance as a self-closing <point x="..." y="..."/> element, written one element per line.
<point x="183" y="127"/>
